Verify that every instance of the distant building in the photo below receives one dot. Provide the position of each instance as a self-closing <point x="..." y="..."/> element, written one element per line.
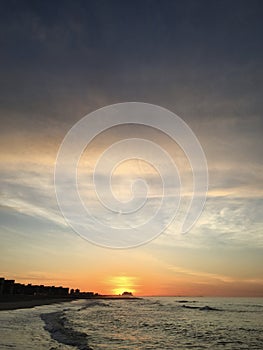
<point x="9" y="287"/>
<point x="6" y="286"/>
<point x="1" y="285"/>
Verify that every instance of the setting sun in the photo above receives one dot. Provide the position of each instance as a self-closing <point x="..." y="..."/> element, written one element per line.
<point x="121" y="284"/>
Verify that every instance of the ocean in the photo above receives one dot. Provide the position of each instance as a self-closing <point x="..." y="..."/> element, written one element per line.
<point x="149" y="323"/>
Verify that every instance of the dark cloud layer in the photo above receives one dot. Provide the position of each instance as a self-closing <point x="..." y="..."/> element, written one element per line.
<point x="63" y="59"/>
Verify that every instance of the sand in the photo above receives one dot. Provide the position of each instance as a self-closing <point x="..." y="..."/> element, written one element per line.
<point x="25" y="304"/>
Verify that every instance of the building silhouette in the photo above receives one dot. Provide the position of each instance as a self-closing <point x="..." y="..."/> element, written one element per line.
<point x="9" y="287"/>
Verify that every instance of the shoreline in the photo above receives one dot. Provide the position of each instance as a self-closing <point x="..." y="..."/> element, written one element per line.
<point x="16" y="303"/>
<point x="27" y="304"/>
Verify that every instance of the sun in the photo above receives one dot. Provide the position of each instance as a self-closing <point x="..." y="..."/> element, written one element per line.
<point x="120" y="291"/>
<point x="122" y="284"/>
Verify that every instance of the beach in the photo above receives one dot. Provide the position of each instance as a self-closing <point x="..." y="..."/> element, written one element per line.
<point x="146" y="323"/>
<point x="25" y="303"/>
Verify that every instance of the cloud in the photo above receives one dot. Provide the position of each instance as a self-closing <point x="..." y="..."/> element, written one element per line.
<point x="207" y="277"/>
<point x="231" y="223"/>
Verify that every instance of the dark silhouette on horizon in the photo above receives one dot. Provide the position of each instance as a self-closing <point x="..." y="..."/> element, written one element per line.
<point x="9" y="287"/>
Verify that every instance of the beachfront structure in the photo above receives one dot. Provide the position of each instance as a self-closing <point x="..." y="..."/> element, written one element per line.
<point x="9" y="287"/>
<point x="6" y="286"/>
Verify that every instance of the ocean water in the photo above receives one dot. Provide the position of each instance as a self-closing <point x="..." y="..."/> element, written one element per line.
<point x="149" y="323"/>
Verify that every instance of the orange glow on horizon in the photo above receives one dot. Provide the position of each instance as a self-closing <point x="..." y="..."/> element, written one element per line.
<point x="121" y="284"/>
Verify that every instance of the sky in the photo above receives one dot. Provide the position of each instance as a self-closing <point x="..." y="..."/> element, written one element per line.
<point x="202" y="60"/>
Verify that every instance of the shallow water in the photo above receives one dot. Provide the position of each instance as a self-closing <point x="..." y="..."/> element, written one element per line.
<point x="149" y="323"/>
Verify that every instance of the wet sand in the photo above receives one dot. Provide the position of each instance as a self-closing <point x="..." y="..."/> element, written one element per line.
<point x="25" y="304"/>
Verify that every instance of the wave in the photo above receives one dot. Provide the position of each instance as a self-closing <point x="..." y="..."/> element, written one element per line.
<point x="94" y="303"/>
<point x="185" y="301"/>
<point x="202" y="308"/>
<point x="59" y="330"/>
<point x="151" y="302"/>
